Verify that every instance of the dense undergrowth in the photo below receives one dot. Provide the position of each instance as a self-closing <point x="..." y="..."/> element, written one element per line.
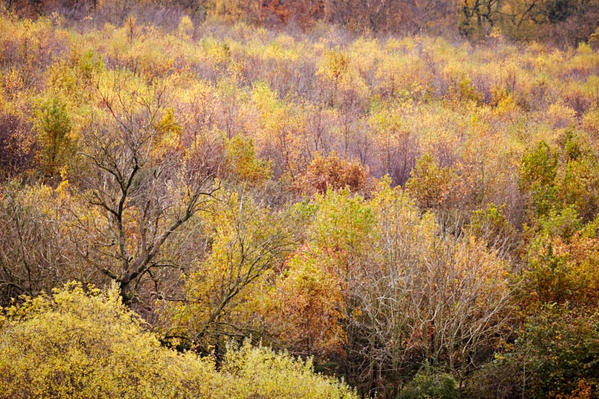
<point x="416" y="214"/>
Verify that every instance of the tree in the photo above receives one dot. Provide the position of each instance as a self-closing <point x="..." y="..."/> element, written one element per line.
<point x="224" y="292"/>
<point x="307" y="309"/>
<point x="146" y="175"/>
<point x="35" y="249"/>
<point x="478" y="17"/>
<point x="242" y="164"/>
<point x="399" y="290"/>
<point x="555" y="355"/>
<point x="423" y="295"/>
<point x="54" y="125"/>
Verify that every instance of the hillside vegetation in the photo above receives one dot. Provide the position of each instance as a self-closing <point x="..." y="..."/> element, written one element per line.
<point x="205" y="202"/>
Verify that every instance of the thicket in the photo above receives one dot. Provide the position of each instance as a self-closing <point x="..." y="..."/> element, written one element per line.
<point x="562" y="22"/>
<point x="417" y="215"/>
<point x="78" y="343"/>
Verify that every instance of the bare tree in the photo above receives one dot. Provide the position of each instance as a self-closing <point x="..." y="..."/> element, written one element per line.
<point x="423" y="296"/>
<point x="27" y="253"/>
<point x="146" y="176"/>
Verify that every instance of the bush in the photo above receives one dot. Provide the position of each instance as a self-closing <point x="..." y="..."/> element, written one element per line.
<point x="431" y="386"/>
<point x="262" y="373"/>
<point x="334" y="173"/>
<point x="54" y="126"/>
<point x="77" y="344"/>
<point x="74" y="344"/>
<point x="433" y="185"/>
<point x="556" y="355"/>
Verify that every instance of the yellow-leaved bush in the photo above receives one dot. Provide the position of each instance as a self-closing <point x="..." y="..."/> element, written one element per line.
<point x="84" y="343"/>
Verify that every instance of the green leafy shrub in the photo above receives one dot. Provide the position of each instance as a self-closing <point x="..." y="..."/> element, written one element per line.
<point x="426" y="385"/>
<point x="54" y="126"/>
<point x="556" y="355"/>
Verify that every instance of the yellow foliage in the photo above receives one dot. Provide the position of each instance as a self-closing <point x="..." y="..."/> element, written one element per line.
<point x="266" y="104"/>
<point x="77" y="345"/>
<point x="82" y="342"/>
<point x="185" y="28"/>
<point x="560" y="115"/>
<point x="224" y="290"/>
<point x="246" y="167"/>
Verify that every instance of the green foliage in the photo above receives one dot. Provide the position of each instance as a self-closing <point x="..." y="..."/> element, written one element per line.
<point x="538" y="165"/>
<point x="426" y="385"/>
<point x="343" y="223"/>
<point x="54" y="126"/>
<point x="538" y="171"/>
<point x="492" y="224"/>
<point x="555" y="354"/>
<point x="90" y="64"/>
<point x="580" y="183"/>
<point x="563" y="224"/>
<point x="564" y="189"/>
<point x="561" y="262"/>
<point x="562" y="177"/>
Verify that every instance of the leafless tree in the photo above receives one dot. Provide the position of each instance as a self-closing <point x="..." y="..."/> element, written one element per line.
<point x="423" y="296"/>
<point x="146" y="176"/>
<point x="34" y="251"/>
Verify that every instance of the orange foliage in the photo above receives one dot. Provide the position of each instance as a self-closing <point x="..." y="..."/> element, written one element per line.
<point x="333" y="173"/>
<point x="308" y="310"/>
<point x="583" y="391"/>
<point x="301" y="11"/>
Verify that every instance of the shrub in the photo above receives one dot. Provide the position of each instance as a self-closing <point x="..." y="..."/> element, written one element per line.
<point x="54" y="125"/>
<point x="431" y="386"/>
<point x="74" y="344"/>
<point x="555" y="355"/>
<point x="83" y="343"/>
<point x="335" y="173"/>
<point x="432" y="185"/>
<point x="262" y="373"/>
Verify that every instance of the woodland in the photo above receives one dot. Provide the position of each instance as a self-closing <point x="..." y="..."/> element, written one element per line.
<point x="299" y="199"/>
